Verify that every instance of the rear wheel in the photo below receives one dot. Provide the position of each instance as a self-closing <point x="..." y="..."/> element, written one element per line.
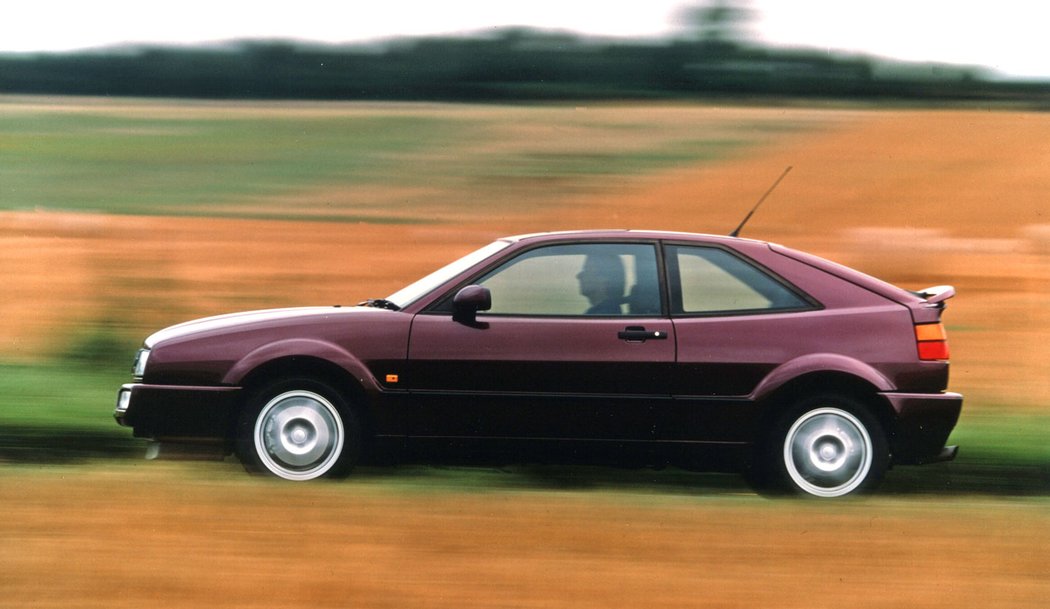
<point x="826" y="446"/>
<point x="298" y="429"/>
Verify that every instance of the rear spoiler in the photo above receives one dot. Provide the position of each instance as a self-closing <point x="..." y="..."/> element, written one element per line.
<point x="936" y="295"/>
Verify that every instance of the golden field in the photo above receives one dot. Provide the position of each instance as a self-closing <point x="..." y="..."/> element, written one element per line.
<point x="916" y="197"/>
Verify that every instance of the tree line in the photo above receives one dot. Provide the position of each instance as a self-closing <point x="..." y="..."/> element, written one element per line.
<point x="514" y="65"/>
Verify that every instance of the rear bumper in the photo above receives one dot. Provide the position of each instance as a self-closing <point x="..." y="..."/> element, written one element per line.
<point x="166" y="411"/>
<point x="924" y="422"/>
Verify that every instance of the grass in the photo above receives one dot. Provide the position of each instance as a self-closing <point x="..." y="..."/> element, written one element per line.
<point x="247" y="160"/>
<point x="1003" y="433"/>
<point x="60" y="396"/>
<point x="163" y="165"/>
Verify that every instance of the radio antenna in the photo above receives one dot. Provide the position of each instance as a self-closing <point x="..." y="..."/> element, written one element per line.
<point x="736" y="232"/>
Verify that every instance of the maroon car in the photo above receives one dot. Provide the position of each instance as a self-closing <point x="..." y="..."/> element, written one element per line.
<point x="688" y="348"/>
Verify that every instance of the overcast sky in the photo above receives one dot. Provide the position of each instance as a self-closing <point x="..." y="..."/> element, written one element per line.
<point x="1008" y="36"/>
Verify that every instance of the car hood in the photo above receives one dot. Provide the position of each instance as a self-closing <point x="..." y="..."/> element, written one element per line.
<point x="231" y="321"/>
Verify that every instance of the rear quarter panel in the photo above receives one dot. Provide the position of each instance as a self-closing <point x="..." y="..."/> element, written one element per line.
<point x="853" y="330"/>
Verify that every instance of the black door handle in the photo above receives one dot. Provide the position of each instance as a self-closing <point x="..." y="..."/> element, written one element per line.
<point x="640" y="334"/>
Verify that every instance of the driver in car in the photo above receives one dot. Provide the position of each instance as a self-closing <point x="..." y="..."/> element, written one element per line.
<point x="602" y="281"/>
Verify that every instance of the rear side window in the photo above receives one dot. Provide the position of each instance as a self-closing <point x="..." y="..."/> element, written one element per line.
<point x="708" y="280"/>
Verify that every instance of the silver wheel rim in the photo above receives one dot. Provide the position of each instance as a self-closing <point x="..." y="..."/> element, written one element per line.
<point x="299" y="435"/>
<point x="828" y="452"/>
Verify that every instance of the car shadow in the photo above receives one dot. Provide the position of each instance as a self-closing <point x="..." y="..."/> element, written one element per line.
<point x="964" y="479"/>
<point x="970" y="476"/>
<point x="42" y="446"/>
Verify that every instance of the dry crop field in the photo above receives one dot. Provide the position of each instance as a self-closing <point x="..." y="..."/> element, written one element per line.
<point x="117" y="246"/>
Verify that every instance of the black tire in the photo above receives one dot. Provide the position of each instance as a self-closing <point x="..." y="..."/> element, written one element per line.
<point x="822" y="446"/>
<point x="298" y="429"/>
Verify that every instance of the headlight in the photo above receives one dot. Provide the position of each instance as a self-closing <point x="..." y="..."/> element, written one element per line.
<point x="139" y="369"/>
<point x="123" y="400"/>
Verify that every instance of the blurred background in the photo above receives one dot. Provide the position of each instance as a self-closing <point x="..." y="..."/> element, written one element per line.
<point x="162" y="164"/>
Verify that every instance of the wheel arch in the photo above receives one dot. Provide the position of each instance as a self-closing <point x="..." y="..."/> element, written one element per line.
<point x="295" y="349"/>
<point x="778" y="400"/>
<point x="314" y="368"/>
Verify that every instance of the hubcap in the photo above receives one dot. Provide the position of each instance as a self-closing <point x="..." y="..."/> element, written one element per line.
<point x="299" y="435"/>
<point x="828" y="452"/>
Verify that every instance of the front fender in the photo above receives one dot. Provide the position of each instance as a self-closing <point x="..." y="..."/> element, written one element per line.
<point x="822" y="363"/>
<point x="300" y="347"/>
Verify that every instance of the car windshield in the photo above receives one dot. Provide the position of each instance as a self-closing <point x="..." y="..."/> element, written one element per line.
<point x="414" y="291"/>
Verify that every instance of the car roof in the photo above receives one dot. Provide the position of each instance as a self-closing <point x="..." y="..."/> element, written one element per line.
<point x="631" y="234"/>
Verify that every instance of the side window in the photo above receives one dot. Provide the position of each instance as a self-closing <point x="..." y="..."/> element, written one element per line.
<point x="711" y="280"/>
<point x="578" y="279"/>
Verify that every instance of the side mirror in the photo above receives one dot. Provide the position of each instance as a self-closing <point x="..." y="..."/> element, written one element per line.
<point x="468" y="301"/>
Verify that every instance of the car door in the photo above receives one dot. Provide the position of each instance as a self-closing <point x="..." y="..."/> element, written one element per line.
<point x="576" y="345"/>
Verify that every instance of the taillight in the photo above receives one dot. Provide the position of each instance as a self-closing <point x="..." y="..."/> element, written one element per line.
<point x="932" y="342"/>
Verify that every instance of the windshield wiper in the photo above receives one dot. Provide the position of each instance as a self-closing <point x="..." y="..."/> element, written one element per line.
<point x="379" y="303"/>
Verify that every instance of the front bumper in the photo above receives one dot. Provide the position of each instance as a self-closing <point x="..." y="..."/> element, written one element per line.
<point x="169" y="411"/>
<point x="924" y="422"/>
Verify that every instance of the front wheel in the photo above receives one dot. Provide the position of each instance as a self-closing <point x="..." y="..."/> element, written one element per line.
<point x="298" y="430"/>
<point x="828" y="446"/>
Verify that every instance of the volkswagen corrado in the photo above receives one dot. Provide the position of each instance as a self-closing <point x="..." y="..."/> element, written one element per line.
<point x="808" y="376"/>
